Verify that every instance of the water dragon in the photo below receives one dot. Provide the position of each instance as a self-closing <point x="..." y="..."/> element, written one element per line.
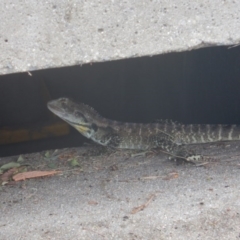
<point x="167" y="136"/>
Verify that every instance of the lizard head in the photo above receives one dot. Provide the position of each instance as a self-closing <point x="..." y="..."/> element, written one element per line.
<point x="79" y="115"/>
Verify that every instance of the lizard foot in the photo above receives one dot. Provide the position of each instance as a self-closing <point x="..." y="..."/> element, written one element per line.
<point x="184" y="156"/>
<point x="195" y="158"/>
<point x="200" y="160"/>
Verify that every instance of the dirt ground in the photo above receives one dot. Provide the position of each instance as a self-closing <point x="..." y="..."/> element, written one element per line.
<point x="105" y="194"/>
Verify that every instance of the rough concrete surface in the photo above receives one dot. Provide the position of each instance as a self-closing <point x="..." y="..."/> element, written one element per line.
<point x="118" y="197"/>
<point x="46" y="34"/>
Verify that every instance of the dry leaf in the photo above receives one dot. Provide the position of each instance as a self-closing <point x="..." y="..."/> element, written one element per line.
<point x="33" y="174"/>
<point x="47" y="154"/>
<point x="20" y="159"/>
<point x="5" y="177"/>
<point x="10" y="165"/>
<point x="74" y="162"/>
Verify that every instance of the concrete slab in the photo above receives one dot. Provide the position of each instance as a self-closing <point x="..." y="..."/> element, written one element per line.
<point x="47" y="34"/>
<point x="116" y="197"/>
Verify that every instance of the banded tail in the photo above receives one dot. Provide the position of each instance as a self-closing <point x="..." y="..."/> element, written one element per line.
<point x="204" y="133"/>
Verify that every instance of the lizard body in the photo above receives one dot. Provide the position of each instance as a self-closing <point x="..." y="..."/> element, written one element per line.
<point x="168" y="136"/>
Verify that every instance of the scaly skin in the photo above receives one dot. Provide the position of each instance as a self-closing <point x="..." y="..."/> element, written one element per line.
<point x="168" y="136"/>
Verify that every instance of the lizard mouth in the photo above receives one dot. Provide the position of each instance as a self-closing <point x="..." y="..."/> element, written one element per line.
<point x="82" y="129"/>
<point x="52" y="106"/>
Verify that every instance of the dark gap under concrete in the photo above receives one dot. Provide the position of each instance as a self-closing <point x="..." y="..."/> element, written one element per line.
<point x="200" y="86"/>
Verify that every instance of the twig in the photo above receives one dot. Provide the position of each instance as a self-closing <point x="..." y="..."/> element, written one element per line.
<point x="141" y="207"/>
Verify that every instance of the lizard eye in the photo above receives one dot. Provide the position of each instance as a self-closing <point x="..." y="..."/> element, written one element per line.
<point x="63" y="104"/>
<point x="78" y="114"/>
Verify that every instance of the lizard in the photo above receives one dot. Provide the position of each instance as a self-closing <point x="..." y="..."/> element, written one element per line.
<point x="167" y="136"/>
